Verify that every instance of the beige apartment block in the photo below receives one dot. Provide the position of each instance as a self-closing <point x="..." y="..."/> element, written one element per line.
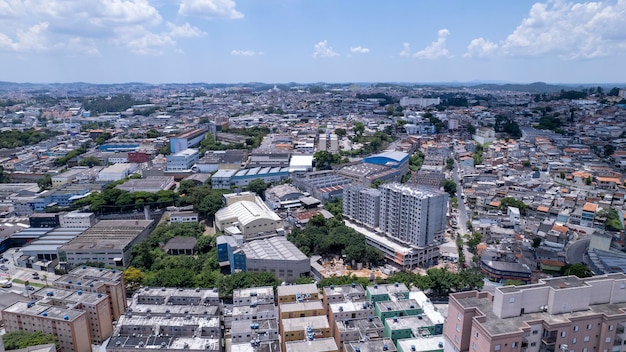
<point x="556" y="314"/>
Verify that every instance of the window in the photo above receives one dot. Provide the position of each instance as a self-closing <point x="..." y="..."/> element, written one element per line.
<point x="610" y="327"/>
<point x="586" y="339"/>
<point x="533" y="344"/>
<point x="535" y="332"/>
<point x="458" y="328"/>
<point x="607" y="340"/>
<point x="563" y="334"/>
<point x="588" y="326"/>
<point x="514" y="344"/>
<point x="511" y="299"/>
<point x="458" y="316"/>
<point x="574" y="340"/>
<point x="575" y="327"/>
<point x="474" y="346"/>
<point x="496" y="348"/>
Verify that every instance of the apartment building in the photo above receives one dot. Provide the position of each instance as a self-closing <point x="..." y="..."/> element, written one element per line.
<point x="296" y="293"/>
<point x="355" y="330"/>
<point x="305" y="329"/>
<point x="342" y="293"/>
<point x="96" y="305"/>
<point x="97" y="280"/>
<point x="413" y="214"/>
<point x="169" y="319"/>
<point x="70" y="326"/>
<point x="562" y="313"/>
<point x="362" y="204"/>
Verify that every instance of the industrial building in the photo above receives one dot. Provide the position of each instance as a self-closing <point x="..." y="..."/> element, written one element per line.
<point x="228" y="178"/>
<point x="183" y="160"/>
<point x="109" y="242"/>
<point x="246" y="214"/>
<point x="187" y="140"/>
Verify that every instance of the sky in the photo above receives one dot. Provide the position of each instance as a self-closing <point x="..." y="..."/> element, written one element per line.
<point x="307" y="41"/>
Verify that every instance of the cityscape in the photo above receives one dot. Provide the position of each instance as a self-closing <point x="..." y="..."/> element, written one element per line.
<point x="287" y="176"/>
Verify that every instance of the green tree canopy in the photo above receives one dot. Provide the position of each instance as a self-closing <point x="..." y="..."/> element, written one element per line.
<point x="22" y="339"/>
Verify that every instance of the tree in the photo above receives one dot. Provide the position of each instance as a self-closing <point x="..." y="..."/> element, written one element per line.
<point x="4" y="177"/>
<point x="16" y="340"/>
<point x="152" y="133"/>
<point x="90" y="161"/>
<point x="577" y="269"/>
<point x="588" y="181"/>
<point x="358" y="128"/>
<point x="609" y="150"/>
<point x="258" y="186"/>
<point x="133" y="278"/>
<point x="44" y="183"/>
<point x="537" y="242"/>
<point x="450" y="163"/>
<point x="450" y="187"/>
<point x="341" y="132"/>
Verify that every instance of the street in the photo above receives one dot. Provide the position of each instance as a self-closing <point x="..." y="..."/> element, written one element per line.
<point x="462" y="215"/>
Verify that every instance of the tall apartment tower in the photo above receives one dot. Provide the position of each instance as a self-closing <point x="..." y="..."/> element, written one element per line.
<point x="412" y="214"/>
<point x="362" y="205"/>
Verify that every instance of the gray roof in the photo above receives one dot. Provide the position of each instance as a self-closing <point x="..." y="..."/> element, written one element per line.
<point x="275" y="248"/>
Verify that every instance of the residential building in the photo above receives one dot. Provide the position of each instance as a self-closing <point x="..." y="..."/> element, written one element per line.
<point x="342" y="293"/>
<point x="562" y="313"/>
<point x="70" y="326"/>
<point x="362" y="204"/>
<point x="356" y="330"/>
<point x="97" y="280"/>
<point x="413" y="215"/>
<point x="170" y="319"/>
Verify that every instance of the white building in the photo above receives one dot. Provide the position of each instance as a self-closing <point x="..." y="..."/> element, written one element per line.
<point x="77" y="220"/>
<point x="414" y="215"/>
<point x="362" y="205"/>
<point x="484" y="135"/>
<point x="183" y="160"/>
<point x="116" y="172"/>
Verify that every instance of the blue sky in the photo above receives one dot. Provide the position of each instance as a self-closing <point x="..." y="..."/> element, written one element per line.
<point x="159" y="41"/>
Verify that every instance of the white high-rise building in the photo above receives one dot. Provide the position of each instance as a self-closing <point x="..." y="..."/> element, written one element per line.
<point x="362" y="205"/>
<point x="414" y="215"/>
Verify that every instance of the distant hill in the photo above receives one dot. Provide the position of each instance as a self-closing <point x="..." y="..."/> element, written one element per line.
<point x="537" y="87"/>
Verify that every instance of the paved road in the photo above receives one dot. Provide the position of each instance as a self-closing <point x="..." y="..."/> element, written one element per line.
<point x="462" y="214"/>
<point x="576" y="250"/>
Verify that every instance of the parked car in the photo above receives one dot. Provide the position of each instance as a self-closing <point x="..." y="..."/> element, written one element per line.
<point x="4" y="268"/>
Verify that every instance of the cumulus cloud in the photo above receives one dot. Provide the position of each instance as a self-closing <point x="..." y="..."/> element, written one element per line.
<point x="359" y="50"/>
<point x="436" y="49"/>
<point x="406" y="49"/>
<point x="185" y="31"/>
<point x="209" y="9"/>
<point x="565" y="29"/>
<point x="322" y="50"/>
<point x="246" y="53"/>
<point x="480" y="47"/>
<point x="80" y="27"/>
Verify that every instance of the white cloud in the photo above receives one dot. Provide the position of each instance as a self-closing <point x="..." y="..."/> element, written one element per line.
<point x="246" y="53"/>
<point x="565" y="29"/>
<point x="406" y="49"/>
<point x="436" y="49"/>
<point x="185" y="31"/>
<point x="322" y="50"/>
<point x="359" y="50"/>
<point x="209" y="9"/>
<point x="79" y="27"/>
<point x="480" y="47"/>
